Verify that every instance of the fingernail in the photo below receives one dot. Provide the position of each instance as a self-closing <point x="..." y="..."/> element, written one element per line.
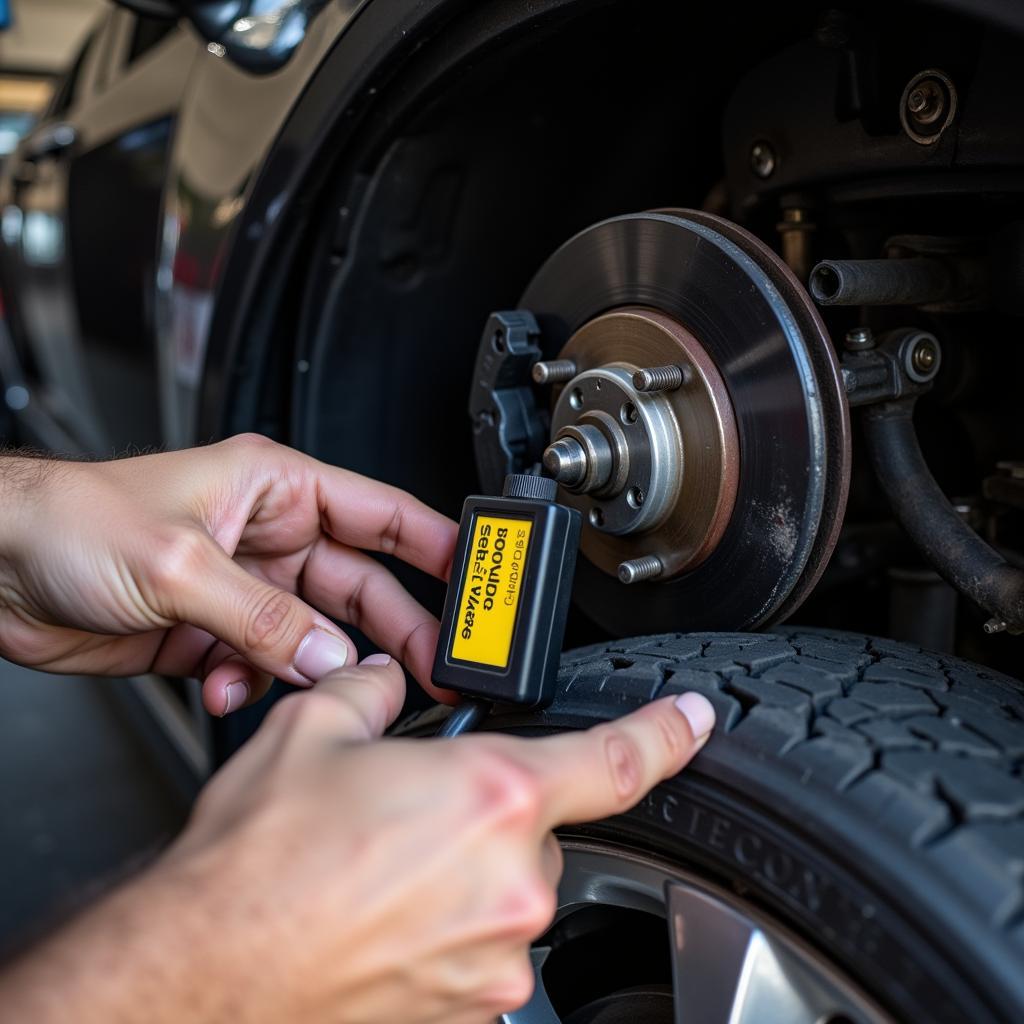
<point x="698" y="711"/>
<point x="376" y="659"/>
<point x="319" y="653"/>
<point x="235" y="695"/>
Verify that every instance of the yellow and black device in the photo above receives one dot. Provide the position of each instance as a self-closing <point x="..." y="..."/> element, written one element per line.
<point x="504" y="616"/>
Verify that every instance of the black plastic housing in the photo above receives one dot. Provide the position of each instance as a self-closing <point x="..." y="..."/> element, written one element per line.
<point x="528" y="678"/>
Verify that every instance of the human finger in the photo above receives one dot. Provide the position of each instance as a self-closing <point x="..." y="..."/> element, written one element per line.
<point x="586" y="776"/>
<point x="368" y="514"/>
<point x="351" y="586"/>
<point x="551" y="860"/>
<point x="196" y="582"/>
<point x="372" y="694"/>
<point x="233" y="683"/>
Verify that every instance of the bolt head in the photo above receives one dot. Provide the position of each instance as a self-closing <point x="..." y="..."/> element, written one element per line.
<point x="926" y="102"/>
<point x="924" y="356"/>
<point x="762" y="159"/>
<point x="858" y="339"/>
<point x="917" y="101"/>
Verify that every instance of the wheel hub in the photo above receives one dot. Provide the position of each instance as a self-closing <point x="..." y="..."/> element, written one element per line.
<point x="645" y="443"/>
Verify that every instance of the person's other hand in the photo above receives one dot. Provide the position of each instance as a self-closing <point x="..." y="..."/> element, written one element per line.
<point x="221" y="562"/>
<point x="327" y="876"/>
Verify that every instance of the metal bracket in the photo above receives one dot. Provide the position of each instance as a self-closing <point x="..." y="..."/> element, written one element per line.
<point x="510" y="429"/>
<point x="902" y="365"/>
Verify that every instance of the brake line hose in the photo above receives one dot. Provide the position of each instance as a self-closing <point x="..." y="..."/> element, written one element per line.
<point x="958" y="554"/>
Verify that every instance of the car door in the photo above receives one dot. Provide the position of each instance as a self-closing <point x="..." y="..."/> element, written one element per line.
<point x="39" y="298"/>
<point x="115" y="188"/>
<point x="82" y="232"/>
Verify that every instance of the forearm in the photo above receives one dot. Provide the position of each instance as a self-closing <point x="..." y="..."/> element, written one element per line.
<point x="148" y="952"/>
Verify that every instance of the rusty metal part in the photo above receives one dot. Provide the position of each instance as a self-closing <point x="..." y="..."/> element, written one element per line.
<point x="795" y="230"/>
<point x="928" y="106"/>
<point x="704" y="493"/>
<point x="933" y="524"/>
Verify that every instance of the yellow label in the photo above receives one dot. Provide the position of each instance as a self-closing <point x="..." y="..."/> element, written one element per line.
<point x="490" y="590"/>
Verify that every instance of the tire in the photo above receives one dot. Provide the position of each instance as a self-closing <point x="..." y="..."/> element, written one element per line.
<point x="861" y="792"/>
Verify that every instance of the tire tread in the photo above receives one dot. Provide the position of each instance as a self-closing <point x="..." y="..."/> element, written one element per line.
<point x="926" y="745"/>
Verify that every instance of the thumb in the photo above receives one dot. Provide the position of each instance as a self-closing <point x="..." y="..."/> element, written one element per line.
<point x="372" y="693"/>
<point x="270" y="628"/>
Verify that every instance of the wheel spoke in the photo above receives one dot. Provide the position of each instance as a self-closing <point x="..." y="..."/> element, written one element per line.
<point x="726" y="970"/>
<point x="709" y="956"/>
<point x="539" y="1009"/>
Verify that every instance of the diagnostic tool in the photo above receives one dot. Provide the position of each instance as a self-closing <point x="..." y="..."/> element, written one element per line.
<point x="504" y="616"/>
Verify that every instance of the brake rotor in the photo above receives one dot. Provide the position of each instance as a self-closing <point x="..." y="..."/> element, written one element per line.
<point x="745" y="527"/>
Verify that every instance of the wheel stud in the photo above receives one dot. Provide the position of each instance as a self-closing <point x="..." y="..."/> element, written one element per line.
<point x="554" y="371"/>
<point x="660" y="378"/>
<point x="636" y="570"/>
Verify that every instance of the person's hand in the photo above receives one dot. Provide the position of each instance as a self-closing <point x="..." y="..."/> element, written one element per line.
<point x="330" y="877"/>
<point x="216" y="562"/>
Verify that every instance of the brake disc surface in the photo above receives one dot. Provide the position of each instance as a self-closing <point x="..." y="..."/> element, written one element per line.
<point x="771" y="349"/>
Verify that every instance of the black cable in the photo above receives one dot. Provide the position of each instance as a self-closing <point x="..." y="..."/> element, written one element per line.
<point x="465" y="718"/>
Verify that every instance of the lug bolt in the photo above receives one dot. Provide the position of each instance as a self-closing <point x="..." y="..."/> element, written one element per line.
<point x="636" y="570"/>
<point x="554" y="371"/>
<point x="994" y="625"/>
<point x="660" y="378"/>
<point x="859" y="339"/>
<point x="762" y="159"/>
<point x="566" y="460"/>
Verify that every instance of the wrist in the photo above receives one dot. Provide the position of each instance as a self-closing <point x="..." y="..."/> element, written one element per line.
<point x="26" y="483"/>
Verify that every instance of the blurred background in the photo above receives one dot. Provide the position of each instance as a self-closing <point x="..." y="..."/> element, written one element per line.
<point x="38" y="41"/>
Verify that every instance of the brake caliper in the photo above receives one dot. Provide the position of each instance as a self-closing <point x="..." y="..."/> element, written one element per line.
<point x="510" y="430"/>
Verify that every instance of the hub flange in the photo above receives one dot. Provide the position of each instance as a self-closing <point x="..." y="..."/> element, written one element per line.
<point x="654" y="471"/>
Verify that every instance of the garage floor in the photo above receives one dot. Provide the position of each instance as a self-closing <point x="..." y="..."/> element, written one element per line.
<point x="82" y="803"/>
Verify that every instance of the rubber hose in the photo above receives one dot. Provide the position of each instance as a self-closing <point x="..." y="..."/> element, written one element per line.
<point x="946" y="541"/>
